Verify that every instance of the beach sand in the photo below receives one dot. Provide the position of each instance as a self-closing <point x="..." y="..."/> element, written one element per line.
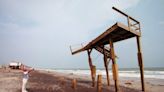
<point x="46" y="81"/>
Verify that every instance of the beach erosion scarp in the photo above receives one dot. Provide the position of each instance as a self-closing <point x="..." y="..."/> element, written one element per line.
<point x="52" y="81"/>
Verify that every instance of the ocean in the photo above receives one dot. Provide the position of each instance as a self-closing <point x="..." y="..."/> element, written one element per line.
<point x="157" y="73"/>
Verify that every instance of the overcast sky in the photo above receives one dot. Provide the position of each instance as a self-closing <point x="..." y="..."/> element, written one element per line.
<point x="39" y="32"/>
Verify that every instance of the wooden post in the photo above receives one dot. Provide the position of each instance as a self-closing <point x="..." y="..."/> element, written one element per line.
<point x="93" y="74"/>
<point x="62" y="79"/>
<point x="128" y="20"/>
<point x="114" y="65"/>
<point x="74" y="83"/>
<point x="99" y="83"/>
<point x="106" y="67"/>
<point x="140" y="62"/>
<point x="90" y="64"/>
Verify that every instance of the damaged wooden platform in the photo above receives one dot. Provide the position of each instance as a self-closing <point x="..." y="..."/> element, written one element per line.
<point x="117" y="32"/>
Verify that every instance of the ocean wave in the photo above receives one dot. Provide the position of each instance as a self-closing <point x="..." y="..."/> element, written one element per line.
<point x="135" y="74"/>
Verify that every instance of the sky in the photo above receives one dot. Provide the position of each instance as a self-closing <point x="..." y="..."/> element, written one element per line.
<point x="39" y="33"/>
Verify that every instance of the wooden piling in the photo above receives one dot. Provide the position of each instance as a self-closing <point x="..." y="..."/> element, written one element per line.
<point x="106" y="67"/>
<point x="91" y="66"/>
<point x="93" y="75"/>
<point x="114" y="65"/>
<point x="140" y="62"/>
<point x="74" y="84"/>
<point x="99" y="83"/>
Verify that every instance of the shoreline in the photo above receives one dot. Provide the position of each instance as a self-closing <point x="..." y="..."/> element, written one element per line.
<point x="52" y="81"/>
<point x="130" y="73"/>
<point x="152" y="84"/>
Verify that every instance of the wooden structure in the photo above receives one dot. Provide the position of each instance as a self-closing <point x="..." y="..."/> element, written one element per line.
<point x="74" y="84"/>
<point x="117" y="32"/>
<point x="99" y="83"/>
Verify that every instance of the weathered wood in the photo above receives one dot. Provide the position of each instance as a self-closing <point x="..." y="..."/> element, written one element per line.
<point x="103" y="39"/>
<point x="74" y="84"/>
<point x="114" y="66"/>
<point x="115" y="71"/>
<point x="77" y="51"/>
<point x="134" y="24"/>
<point x="99" y="83"/>
<point x="115" y="33"/>
<point x="89" y="59"/>
<point x="140" y="62"/>
<point x="128" y="22"/>
<point x="91" y="67"/>
<point x="124" y="14"/>
<point x="136" y="27"/>
<point x="93" y="75"/>
<point x="106" y="67"/>
<point x="103" y="51"/>
<point x="94" y="70"/>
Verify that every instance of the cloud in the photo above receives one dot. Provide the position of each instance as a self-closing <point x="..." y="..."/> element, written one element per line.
<point x="39" y="30"/>
<point x="161" y="23"/>
<point x="81" y="12"/>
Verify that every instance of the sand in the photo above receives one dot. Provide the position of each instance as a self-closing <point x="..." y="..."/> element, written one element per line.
<point x="45" y="81"/>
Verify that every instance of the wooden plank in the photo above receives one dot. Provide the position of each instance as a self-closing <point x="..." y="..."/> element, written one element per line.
<point x="93" y="42"/>
<point x="130" y="30"/>
<point x="77" y="51"/>
<point x="104" y="36"/>
<point x="109" y="31"/>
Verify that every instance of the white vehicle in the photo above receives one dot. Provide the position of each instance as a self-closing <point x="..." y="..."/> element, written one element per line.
<point x="14" y="65"/>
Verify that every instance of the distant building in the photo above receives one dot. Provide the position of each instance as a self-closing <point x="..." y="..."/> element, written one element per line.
<point x="14" y="65"/>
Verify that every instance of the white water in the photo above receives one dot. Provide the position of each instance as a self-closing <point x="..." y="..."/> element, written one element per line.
<point x="122" y="73"/>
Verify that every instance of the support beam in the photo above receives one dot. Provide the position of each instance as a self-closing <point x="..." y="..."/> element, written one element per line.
<point x="106" y="66"/>
<point x="114" y="66"/>
<point x="99" y="83"/>
<point x="140" y="62"/>
<point x="91" y="67"/>
<point x="93" y="74"/>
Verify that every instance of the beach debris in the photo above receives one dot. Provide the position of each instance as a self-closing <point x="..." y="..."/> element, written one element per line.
<point x="74" y="83"/>
<point x="62" y="79"/>
<point x="99" y="83"/>
<point x="70" y="73"/>
<point x="128" y="83"/>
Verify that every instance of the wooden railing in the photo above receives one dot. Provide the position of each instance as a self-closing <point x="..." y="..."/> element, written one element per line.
<point x="132" y="23"/>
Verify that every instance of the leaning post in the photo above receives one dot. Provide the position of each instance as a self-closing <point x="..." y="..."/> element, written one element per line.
<point x="140" y="62"/>
<point x="106" y="67"/>
<point x="91" y="67"/>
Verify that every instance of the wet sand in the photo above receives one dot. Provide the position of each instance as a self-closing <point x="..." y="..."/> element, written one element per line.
<point x="45" y="81"/>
